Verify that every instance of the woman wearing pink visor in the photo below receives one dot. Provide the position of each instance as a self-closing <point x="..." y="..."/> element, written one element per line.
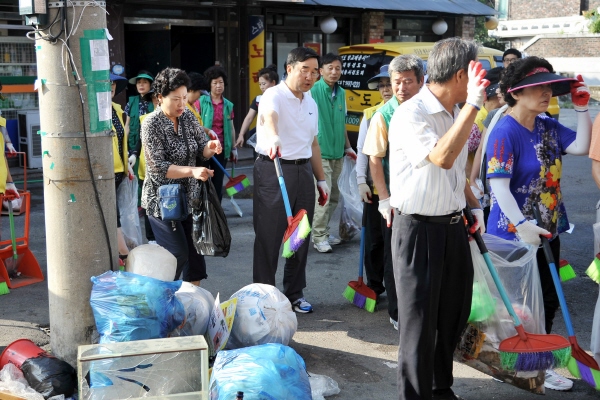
<point x="524" y="154"/>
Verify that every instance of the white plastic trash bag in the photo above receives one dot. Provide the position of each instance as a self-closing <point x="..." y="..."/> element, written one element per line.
<point x="152" y="260"/>
<point x="322" y="386"/>
<point x="127" y="198"/>
<point x="13" y="382"/>
<point x="198" y="304"/>
<point x="263" y="315"/>
<point x="349" y="190"/>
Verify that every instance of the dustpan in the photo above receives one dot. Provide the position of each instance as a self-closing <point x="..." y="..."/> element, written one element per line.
<point x="28" y="269"/>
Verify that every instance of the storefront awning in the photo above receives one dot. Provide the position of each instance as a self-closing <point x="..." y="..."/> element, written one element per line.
<point x="461" y="7"/>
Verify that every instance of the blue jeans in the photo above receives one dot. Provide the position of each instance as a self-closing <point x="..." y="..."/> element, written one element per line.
<point x="179" y="243"/>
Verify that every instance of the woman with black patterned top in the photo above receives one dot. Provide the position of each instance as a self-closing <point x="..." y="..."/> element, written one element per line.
<point x="173" y="139"/>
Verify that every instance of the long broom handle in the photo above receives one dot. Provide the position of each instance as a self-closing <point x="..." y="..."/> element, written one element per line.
<point x="555" y="278"/>
<point x="221" y="167"/>
<point x="286" y="200"/>
<point x="486" y="256"/>
<point x="11" y="219"/>
<point x="363" y="233"/>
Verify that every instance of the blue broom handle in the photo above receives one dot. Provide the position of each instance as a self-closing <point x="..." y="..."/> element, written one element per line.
<point x="553" y="271"/>
<point x="363" y="233"/>
<point x="221" y="167"/>
<point x="286" y="200"/>
<point x="486" y="256"/>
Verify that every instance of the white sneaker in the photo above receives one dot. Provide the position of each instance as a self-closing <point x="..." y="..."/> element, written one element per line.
<point x="395" y="323"/>
<point x="323" y="247"/>
<point x="333" y="241"/>
<point x="556" y="381"/>
<point x="302" y="306"/>
<point x="152" y="242"/>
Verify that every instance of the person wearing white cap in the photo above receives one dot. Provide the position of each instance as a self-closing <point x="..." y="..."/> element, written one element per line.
<point x="524" y="167"/>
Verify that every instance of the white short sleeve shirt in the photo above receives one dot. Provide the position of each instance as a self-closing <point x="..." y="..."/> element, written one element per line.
<point x="298" y="122"/>
<point x="417" y="186"/>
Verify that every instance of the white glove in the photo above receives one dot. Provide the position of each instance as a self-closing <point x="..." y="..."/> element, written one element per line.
<point x="234" y="155"/>
<point x="274" y="146"/>
<point x="212" y="134"/>
<point x="365" y="192"/>
<point x="350" y="153"/>
<point x="323" y="192"/>
<point x="476" y="86"/>
<point x="132" y="159"/>
<point x="477" y="190"/>
<point x="11" y="190"/>
<point x="11" y="148"/>
<point x="386" y="210"/>
<point x="130" y="172"/>
<point x="478" y="214"/>
<point x="530" y="233"/>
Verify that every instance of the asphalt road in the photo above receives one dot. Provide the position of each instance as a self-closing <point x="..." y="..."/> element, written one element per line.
<point x="356" y="348"/>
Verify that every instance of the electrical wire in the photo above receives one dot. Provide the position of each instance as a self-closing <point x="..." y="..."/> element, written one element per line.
<point x="85" y="135"/>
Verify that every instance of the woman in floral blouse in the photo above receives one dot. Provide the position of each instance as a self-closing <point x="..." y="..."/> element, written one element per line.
<point x="524" y="154"/>
<point x="173" y="139"/>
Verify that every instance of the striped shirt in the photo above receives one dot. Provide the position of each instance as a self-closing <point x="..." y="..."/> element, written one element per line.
<point x="417" y="186"/>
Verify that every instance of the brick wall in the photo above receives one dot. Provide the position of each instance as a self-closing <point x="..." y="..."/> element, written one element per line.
<point x="372" y="26"/>
<point x="565" y="47"/>
<point x="465" y="27"/>
<point x="529" y="9"/>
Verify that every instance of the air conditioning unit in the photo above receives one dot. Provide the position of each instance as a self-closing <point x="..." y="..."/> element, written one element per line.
<point x="30" y="142"/>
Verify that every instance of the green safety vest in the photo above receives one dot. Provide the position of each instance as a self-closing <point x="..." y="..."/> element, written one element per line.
<point x="332" y="119"/>
<point x="134" y="120"/>
<point x="207" y="111"/>
<point x="387" y="111"/>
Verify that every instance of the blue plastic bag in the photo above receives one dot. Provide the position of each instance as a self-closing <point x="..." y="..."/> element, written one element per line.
<point x="130" y="307"/>
<point x="266" y="372"/>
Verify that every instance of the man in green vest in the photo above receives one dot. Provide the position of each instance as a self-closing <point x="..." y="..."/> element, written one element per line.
<point x="407" y="78"/>
<point x="334" y="143"/>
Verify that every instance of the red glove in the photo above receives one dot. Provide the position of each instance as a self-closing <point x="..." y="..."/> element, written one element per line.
<point x="11" y="193"/>
<point x="580" y="94"/>
<point x="323" y="192"/>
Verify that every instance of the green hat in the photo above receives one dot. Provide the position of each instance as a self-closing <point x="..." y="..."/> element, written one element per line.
<point x="134" y="80"/>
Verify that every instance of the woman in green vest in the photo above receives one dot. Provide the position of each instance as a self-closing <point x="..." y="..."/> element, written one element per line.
<point x="135" y="108"/>
<point x="217" y="114"/>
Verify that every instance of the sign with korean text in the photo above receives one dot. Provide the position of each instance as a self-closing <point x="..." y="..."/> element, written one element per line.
<point x="256" y="53"/>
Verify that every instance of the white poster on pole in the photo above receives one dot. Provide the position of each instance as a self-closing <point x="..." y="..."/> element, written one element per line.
<point x="99" y="53"/>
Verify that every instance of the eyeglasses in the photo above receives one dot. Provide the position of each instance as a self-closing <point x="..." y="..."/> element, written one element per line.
<point x="306" y="73"/>
<point x="510" y="60"/>
<point x="384" y="86"/>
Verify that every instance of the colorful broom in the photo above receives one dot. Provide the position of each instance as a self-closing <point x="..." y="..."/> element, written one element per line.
<point x="234" y="185"/>
<point x="4" y="288"/>
<point x="357" y="292"/>
<point x="581" y="364"/>
<point x="298" y="226"/>
<point x="566" y="271"/>
<point x="525" y="351"/>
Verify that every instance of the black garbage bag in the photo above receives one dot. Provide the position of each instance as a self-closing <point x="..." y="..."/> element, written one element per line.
<point x="50" y="376"/>
<point x="210" y="234"/>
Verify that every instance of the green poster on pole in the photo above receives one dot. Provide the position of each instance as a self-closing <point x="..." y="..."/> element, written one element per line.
<point x="95" y="63"/>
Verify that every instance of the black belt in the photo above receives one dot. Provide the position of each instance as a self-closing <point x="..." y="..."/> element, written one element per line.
<point x="454" y="218"/>
<point x="299" y="161"/>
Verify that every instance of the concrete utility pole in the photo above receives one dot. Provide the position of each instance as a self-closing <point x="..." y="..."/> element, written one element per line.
<point x="76" y="239"/>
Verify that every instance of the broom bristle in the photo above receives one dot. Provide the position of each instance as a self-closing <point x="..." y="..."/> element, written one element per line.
<point x="566" y="273"/>
<point x="581" y="371"/>
<point x="535" y="361"/>
<point x="4" y="288"/>
<point x="370" y="304"/>
<point x="593" y="270"/>
<point x="359" y="300"/>
<point x="287" y="251"/>
<point x="349" y="294"/>
<point x="234" y="187"/>
<point x="297" y="238"/>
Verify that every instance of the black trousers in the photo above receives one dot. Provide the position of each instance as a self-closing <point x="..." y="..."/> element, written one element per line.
<point x="270" y="223"/>
<point x="179" y="243"/>
<point x="434" y="279"/>
<point x="549" y="294"/>
<point x="388" y="270"/>
<point x="374" y="246"/>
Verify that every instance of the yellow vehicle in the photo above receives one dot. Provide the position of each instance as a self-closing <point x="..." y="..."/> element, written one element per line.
<point x="361" y="62"/>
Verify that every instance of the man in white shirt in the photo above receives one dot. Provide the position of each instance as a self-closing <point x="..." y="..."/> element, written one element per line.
<point x="287" y="126"/>
<point x="430" y="248"/>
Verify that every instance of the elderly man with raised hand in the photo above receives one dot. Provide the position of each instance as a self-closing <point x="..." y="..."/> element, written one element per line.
<point x="374" y="243"/>
<point x="407" y="77"/>
<point x="287" y="127"/>
<point x="429" y="190"/>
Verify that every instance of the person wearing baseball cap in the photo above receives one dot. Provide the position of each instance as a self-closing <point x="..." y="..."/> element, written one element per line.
<point x="524" y="153"/>
<point x="374" y="243"/>
<point x="137" y="106"/>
